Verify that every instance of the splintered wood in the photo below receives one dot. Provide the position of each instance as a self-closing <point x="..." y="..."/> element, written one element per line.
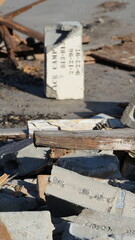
<point x="116" y="139"/>
<point x="5" y="178"/>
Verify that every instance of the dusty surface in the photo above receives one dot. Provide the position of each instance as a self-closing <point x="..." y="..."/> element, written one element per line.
<point x="22" y="91"/>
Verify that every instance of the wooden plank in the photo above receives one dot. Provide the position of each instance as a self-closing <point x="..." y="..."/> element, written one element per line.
<point x="116" y="139"/>
<point x="9" y="43"/>
<point x="21" y="10"/>
<point x="13" y="133"/>
<point x="20" y="28"/>
<point x="121" y="55"/>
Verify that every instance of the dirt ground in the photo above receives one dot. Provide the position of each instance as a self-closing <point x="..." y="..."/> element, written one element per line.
<point x="22" y="90"/>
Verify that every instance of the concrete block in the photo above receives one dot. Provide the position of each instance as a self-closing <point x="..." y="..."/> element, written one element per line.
<point x="75" y="232"/>
<point x="62" y="124"/>
<point x="64" y="69"/>
<point x="27" y="225"/>
<point x="95" y="225"/>
<point x="25" y="161"/>
<point x="92" y="164"/>
<point x="86" y="192"/>
<point x="128" y="117"/>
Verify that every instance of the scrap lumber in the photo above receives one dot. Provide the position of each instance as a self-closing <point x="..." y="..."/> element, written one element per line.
<point x="42" y="181"/>
<point x="85" y="39"/>
<point x="88" y="59"/>
<point x="9" y="43"/>
<point x="21" y="10"/>
<point x="121" y="55"/>
<point x="4" y="234"/>
<point x="7" y="24"/>
<point x="12" y="133"/>
<point x="5" y="178"/>
<point x="115" y="139"/>
<point x="23" y="29"/>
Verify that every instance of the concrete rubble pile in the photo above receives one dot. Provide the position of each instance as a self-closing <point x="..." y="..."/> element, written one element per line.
<point x="67" y="194"/>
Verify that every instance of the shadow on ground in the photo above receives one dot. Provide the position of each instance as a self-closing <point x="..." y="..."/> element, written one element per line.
<point x="28" y="79"/>
<point x="114" y="109"/>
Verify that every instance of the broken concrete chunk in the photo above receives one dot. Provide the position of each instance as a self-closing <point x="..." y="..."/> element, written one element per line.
<point x="95" y="225"/>
<point x="62" y="124"/>
<point x="75" y="232"/>
<point x="92" y="164"/>
<point x="26" y="161"/>
<point x="27" y="225"/>
<point x="111" y="223"/>
<point x="128" y="117"/>
<point x="64" y="70"/>
<point x="85" y="192"/>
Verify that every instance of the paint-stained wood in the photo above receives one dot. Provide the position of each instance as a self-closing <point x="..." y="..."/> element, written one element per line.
<point x="116" y="139"/>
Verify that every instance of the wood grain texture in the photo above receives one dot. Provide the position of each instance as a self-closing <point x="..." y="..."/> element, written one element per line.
<point x="117" y="139"/>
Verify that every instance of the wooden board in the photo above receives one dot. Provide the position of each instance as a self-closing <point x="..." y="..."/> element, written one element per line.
<point x="116" y="139"/>
<point x="13" y="133"/>
<point x="122" y="55"/>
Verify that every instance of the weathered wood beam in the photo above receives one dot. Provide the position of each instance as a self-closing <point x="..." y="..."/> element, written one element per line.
<point x="115" y="139"/>
<point x="9" y="43"/>
<point x="21" y="10"/>
<point x="20" y="28"/>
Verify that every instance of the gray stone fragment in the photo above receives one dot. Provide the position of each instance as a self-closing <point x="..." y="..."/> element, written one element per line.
<point x="85" y="192"/>
<point x="128" y="117"/>
<point x="28" y="225"/>
<point x="89" y="163"/>
<point x="75" y="232"/>
<point x="115" y="123"/>
<point x="24" y="161"/>
<point x="97" y="226"/>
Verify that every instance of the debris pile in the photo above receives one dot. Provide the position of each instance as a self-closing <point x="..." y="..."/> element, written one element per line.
<point x="65" y="179"/>
<point x="70" y="180"/>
